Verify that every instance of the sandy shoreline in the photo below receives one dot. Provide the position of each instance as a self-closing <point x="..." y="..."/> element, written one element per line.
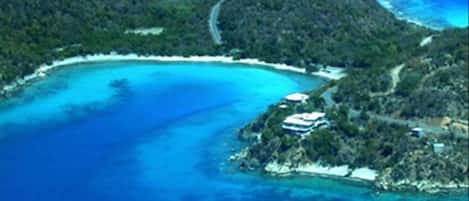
<point x="345" y="172"/>
<point x="329" y="73"/>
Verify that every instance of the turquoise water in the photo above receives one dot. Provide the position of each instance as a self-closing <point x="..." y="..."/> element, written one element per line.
<point x="437" y="14"/>
<point x="150" y="132"/>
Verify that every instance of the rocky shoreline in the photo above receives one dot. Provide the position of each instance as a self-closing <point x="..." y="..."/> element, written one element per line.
<point x="384" y="182"/>
<point x="379" y="180"/>
<point x="410" y="163"/>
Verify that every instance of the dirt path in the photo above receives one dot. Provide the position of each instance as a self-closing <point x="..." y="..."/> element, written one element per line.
<point x="395" y="79"/>
<point x="327" y="96"/>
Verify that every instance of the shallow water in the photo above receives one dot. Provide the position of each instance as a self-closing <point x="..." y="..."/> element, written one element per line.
<point x="150" y="131"/>
<point x="438" y="14"/>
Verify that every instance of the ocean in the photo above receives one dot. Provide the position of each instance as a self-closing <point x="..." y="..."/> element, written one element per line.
<point x="141" y="131"/>
<point x="438" y="14"/>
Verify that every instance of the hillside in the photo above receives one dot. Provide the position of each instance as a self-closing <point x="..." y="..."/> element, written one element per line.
<point x="432" y="86"/>
<point x="33" y="32"/>
<point x="363" y="35"/>
<point x="399" y="76"/>
<point x="301" y="32"/>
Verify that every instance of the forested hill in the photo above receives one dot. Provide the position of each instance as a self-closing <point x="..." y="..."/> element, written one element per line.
<point x="363" y="35"/>
<point x="433" y="84"/>
<point x="343" y="32"/>
<point x="33" y="32"/>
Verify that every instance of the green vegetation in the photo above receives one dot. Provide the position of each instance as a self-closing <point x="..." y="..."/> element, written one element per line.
<point x="359" y="35"/>
<point x="358" y="141"/>
<point x="34" y="32"/>
<point x="363" y="37"/>
<point x="433" y="83"/>
<point x="303" y="33"/>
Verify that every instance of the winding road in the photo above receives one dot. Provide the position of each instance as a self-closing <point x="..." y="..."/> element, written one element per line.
<point x="213" y="23"/>
<point x="327" y="96"/>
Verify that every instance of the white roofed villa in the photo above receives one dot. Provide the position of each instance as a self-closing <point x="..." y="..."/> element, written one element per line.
<point x="297" y="98"/>
<point x="303" y="124"/>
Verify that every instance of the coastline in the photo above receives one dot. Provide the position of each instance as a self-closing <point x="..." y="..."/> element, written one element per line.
<point x="343" y="172"/>
<point x="431" y="24"/>
<point x="330" y="73"/>
<point x="362" y="175"/>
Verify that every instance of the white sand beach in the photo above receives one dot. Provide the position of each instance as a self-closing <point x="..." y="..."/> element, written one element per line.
<point x="340" y="171"/>
<point x="329" y="73"/>
<point x="363" y="174"/>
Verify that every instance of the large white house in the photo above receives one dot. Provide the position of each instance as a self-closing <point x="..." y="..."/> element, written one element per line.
<point x="297" y="98"/>
<point x="303" y="124"/>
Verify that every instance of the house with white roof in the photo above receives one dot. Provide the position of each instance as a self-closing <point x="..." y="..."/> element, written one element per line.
<point x="303" y="124"/>
<point x="296" y="98"/>
<point x="417" y="132"/>
<point x="297" y="125"/>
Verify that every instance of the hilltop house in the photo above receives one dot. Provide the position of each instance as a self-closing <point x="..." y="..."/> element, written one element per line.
<point x="303" y="124"/>
<point x="296" y="98"/>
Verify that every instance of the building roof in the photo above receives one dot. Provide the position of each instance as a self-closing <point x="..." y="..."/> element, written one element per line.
<point x="313" y="116"/>
<point x="417" y="130"/>
<point x="304" y="119"/>
<point x="297" y="121"/>
<point x="283" y="106"/>
<point x="296" y="97"/>
<point x="438" y="145"/>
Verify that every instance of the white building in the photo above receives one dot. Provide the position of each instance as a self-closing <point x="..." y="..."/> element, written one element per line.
<point x="283" y="106"/>
<point x="318" y="118"/>
<point x="417" y="132"/>
<point x="297" y="125"/>
<point x="303" y="124"/>
<point x="438" y="147"/>
<point x="297" y="98"/>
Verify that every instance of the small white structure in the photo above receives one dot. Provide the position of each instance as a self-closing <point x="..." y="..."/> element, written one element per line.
<point x="303" y="124"/>
<point x="438" y="147"/>
<point x="146" y="31"/>
<point x="426" y="41"/>
<point x="417" y="132"/>
<point x="283" y="106"/>
<point x="297" y="98"/>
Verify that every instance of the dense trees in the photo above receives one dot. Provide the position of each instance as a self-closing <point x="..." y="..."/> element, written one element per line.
<point x="342" y="33"/>
<point x="360" y="142"/>
<point x="434" y="82"/>
<point x="34" y="32"/>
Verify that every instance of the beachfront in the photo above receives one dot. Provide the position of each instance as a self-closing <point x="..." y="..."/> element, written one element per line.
<point x="330" y="73"/>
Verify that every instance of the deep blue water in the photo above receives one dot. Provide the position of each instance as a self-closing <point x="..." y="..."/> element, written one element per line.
<point x="437" y="14"/>
<point x="150" y="131"/>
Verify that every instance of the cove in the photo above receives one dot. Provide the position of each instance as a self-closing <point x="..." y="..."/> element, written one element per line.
<point x="151" y="132"/>
<point x="437" y="14"/>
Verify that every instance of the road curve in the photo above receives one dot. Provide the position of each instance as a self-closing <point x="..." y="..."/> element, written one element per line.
<point x="327" y="96"/>
<point x="213" y="23"/>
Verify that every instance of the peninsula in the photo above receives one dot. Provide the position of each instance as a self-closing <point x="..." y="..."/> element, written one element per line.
<point x="398" y="118"/>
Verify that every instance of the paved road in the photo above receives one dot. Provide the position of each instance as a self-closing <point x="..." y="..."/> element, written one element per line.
<point x="213" y="23"/>
<point x="327" y="96"/>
